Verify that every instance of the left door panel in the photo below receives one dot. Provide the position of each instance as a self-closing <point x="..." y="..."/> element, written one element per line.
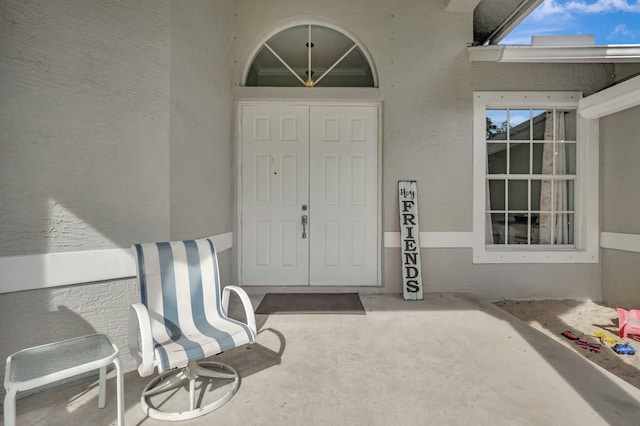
<point x="275" y="187"/>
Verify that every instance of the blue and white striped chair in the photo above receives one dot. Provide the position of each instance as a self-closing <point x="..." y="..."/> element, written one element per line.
<point x="182" y="320"/>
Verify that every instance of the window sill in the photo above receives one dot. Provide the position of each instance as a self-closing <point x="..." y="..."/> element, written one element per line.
<point x="557" y="255"/>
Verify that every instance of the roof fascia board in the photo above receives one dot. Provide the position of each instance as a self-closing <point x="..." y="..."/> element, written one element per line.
<point x="555" y="54"/>
<point x="460" y="5"/>
<point x="614" y="99"/>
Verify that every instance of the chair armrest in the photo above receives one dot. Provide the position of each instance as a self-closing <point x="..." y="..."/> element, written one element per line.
<point x="246" y="304"/>
<point x="140" y="339"/>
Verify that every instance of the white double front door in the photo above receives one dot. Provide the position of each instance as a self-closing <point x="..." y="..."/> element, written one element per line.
<point x="309" y="195"/>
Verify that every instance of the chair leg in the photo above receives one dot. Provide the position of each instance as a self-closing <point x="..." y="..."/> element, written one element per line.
<point x="200" y="370"/>
<point x="173" y="379"/>
<point x="165" y="382"/>
<point x="119" y="391"/>
<point x="192" y="389"/>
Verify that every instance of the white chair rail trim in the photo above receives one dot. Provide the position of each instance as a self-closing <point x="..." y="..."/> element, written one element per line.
<point x="433" y="239"/>
<point x="608" y="240"/>
<point x="617" y="241"/>
<point x="36" y="271"/>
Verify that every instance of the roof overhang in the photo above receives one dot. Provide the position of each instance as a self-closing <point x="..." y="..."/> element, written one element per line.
<point x="616" y="98"/>
<point x="494" y="19"/>
<point x="556" y="54"/>
<point x="460" y="5"/>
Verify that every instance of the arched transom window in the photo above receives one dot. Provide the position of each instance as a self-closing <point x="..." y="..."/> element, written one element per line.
<point x="310" y="56"/>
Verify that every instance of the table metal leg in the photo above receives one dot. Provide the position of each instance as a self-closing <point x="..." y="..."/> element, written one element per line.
<point x="102" y="384"/>
<point x="10" y="407"/>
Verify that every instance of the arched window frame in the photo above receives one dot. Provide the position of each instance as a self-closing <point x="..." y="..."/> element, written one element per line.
<point x="309" y="23"/>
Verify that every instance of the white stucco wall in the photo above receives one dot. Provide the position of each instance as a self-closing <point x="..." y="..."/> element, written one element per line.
<point x="201" y="153"/>
<point x="620" y="204"/>
<point x="84" y="152"/>
<point x="117" y="128"/>
<point x="116" y="123"/>
<point x="85" y="121"/>
<point x="426" y="83"/>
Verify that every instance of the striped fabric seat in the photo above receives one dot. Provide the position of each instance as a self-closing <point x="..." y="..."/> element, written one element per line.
<point x="180" y="287"/>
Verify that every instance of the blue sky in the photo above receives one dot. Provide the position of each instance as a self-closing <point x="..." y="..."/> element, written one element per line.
<point x="611" y="21"/>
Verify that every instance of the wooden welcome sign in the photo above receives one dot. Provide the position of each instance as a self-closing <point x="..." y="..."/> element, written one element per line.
<point x="410" y="240"/>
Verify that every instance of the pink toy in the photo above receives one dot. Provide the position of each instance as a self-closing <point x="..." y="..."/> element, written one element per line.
<point x="628" y="322"/>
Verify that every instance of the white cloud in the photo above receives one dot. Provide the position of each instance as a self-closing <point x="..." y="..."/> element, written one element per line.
<point x="623" y="31"/>
<point x="549" y="8"/>
<point x="557" y="9"/>
<point x="620" y="29"/>
<point x="601" y="6"/>
<point x="580" y="17"/>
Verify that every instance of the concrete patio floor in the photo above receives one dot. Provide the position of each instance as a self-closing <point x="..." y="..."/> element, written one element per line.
<point x="447" y="360"/>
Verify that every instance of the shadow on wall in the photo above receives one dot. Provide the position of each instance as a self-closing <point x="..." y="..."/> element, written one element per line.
<point x="44" y="326"/>
<point x="41" y="325"/>
<point x="36" y="317"/>
<point x="84" y="160"/>
<point x="82" y="164"/>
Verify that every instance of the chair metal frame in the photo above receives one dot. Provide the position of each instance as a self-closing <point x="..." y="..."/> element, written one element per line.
<point x="144" y="346"/>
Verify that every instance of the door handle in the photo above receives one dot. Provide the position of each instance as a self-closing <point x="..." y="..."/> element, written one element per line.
<point x="304" y="221"/>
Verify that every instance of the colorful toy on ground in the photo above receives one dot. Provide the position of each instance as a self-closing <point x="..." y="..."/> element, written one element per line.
<point x="606" y="338"/>
<point x="628" y="322"/>
<point x="582" y="343"/>
<point x="593" y="347"/>
<point x="624" y="349"/>
<point x="569" y="335"/>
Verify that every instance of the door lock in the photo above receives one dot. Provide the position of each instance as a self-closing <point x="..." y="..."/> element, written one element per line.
<point x="304" y="221"/>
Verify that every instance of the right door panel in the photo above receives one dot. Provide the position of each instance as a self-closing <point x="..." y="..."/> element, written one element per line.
<point x="343" y="232"/>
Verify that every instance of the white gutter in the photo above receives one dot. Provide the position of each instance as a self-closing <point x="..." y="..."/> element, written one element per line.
<point x="556" y="54"/>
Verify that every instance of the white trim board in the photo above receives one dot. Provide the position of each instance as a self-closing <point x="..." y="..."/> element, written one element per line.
<point x="617" y="241"/>
<point x="616" y="98"/>
<point x="36" y="271"/>
<point x="433" y="239"/>
<point x="626" y="53"/>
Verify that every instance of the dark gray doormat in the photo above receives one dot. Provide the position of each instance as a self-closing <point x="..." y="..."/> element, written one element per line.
<point x="311" y="303"/>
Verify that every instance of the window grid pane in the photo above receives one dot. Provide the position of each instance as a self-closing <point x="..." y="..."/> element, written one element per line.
<point x="531" y="172"/>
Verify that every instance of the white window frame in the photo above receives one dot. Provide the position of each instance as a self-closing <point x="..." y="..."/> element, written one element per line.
<point x="586" y="201"/>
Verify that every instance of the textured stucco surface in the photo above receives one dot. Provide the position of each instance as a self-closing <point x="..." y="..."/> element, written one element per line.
<point x="92" y="102"/>
<point x="85" y="124"/>
<point x="117" y="123"/>
<point x="201" y="118"/>
<point x="426" y="83"/>
<point x="585" y="78"/>
<point x="201" y="109"/>
<point x="36" y="317"/>
<point x="620" y="203"/>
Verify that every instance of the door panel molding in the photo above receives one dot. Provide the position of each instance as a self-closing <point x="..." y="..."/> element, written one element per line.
<point x="349" y="180"/>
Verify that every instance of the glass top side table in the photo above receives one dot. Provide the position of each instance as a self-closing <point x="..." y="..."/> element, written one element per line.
<point x="41" y="365"/>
